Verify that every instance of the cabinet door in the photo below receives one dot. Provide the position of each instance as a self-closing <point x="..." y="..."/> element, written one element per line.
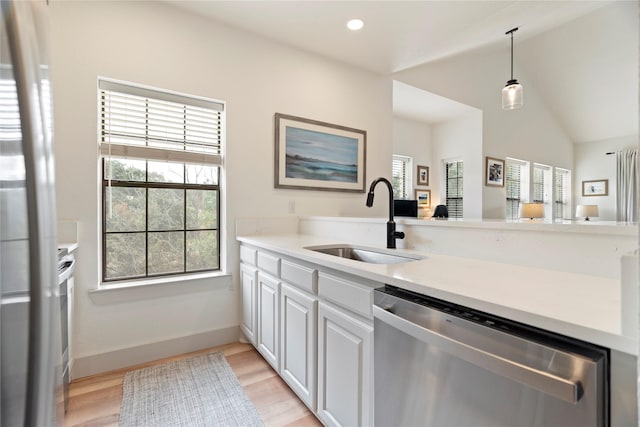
<point x="268" y="319"/>
<point x="249" y="293"/>
<point x="298" y="342"/>
<point x="345" y="368"/>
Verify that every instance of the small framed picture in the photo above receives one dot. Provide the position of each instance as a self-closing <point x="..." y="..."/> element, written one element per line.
<point x="423" y="175"/>
<point x="424" y="198"/>
<point x="494" y="172"/>
<point x="595" y="188"/>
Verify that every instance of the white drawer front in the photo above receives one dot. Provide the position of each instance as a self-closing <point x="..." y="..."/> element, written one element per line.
<point x="269" y="264"/>
<point x="355" y="297"/>
<point x="248" y="255"/>
<point x="299" y="276"/>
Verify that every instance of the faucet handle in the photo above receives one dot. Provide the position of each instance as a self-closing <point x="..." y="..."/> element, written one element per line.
<point x="398" y="235"/>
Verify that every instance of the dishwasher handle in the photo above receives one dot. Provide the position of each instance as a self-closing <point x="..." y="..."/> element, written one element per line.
<point x="546" y="382"/>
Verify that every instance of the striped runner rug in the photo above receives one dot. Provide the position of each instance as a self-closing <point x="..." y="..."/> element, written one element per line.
<point x="201" y="391"/>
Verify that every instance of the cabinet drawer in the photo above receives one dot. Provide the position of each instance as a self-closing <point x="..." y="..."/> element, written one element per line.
<point x="353" y="296"/>
<point x="248" y="255"/>
<point x="299" y="276"/>
<point x="269" y="264"/>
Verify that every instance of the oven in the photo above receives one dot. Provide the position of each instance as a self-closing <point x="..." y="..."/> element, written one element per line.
<point x="66" y="266"/>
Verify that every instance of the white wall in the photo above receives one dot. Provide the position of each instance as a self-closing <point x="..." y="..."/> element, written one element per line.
<point x="461" y="139"/>
<point x="413" y="139"/>
<point x="530" y="133"/>
<point x="592" y="163"/>
<point x="154" y="44"/>
<point x="589" y="249"/>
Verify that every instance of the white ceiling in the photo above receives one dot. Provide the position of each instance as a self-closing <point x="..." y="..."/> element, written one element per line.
<point x="420" y="105"/>
<point x="397" y="34"/>
<point x="586" y="95"/>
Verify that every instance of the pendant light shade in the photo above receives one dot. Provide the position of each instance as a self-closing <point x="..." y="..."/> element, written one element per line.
<point x="512" y="93"/>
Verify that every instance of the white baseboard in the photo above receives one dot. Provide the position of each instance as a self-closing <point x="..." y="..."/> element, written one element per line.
<point x="104" y="362"/>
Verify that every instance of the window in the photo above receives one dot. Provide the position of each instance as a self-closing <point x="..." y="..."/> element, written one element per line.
<point x="562" y="194"/>
<point x="401" y="177"/>
<point x="454" y="188"/>
<point x="516" y="186"/>
<point x="541" y="187"/>
<point x="160" y="182"/>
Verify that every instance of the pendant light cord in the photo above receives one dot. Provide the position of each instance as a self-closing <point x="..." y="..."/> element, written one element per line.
<point x="513" y="30"/>
<point x="512" y="55"/>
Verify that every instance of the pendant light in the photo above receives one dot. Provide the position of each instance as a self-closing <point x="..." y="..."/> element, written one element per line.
<point x="512" y="92"/>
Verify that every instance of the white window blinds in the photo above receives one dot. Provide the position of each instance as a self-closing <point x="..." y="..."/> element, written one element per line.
<point x="144" y="123"/>
<point x="562" y="194"/>
<point x="401" y="177"/>
<point x="454" y="188"/>
<point x="538" y="185"/>
<point x="513" y="181"/>
<point x="541" y="187"/>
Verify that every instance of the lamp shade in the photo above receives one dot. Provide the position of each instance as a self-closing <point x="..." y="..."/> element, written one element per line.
<point x="532" y="210"/>
<point x="586" y="211"/>
<point x="512" y="95"/>
<point x="512" y="92"/>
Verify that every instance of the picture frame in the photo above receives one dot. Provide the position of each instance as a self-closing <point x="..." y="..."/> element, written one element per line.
<point x="314" y="155"/>
<point x="422" y="175"/>
<point x="424" y="198"/>
<point x="494" y="172"/>
<point x="599" y="187"/>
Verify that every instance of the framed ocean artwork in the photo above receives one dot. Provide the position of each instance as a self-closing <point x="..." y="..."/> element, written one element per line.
<point x="314" y="155"/>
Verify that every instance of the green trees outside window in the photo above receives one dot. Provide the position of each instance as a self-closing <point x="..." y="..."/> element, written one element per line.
<point x="159" y="219"/>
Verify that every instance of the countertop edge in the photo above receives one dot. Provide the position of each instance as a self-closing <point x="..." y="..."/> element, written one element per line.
<point x="293" y="245"/>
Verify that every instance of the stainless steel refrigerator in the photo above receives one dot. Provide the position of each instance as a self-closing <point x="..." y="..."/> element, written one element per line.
<point x="30" y="356"/>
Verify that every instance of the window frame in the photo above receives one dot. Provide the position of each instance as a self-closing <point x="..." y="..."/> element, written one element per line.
<point x="187" y="152"/>
<point x="546" y="186"/>
<point x="523" y="183"/>
<point x="407" y="163"/>
<point x="454" y="213"/>
<point x="565" y="205"/>
<point x="147" y="185"/>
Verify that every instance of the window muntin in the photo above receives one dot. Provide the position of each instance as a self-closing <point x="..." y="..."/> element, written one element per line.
<point x="160" y="179"/>
<point x="401" y="177"/>
<point x="454" y="188"/>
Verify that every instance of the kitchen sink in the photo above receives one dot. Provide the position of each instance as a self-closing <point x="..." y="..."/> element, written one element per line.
<point x="370" y="255"/>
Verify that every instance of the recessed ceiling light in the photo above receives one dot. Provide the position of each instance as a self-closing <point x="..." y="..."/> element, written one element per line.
<point x="355" y="24"/>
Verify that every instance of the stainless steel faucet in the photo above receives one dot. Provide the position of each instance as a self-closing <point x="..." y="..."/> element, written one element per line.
<point x="392" y="234"/>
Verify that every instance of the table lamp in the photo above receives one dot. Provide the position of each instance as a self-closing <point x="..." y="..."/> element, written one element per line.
<point x="586" y="211"/>
<point x="532" y="210"/>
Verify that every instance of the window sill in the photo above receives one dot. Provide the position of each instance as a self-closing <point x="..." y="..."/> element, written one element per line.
<point x="136" y="290"/>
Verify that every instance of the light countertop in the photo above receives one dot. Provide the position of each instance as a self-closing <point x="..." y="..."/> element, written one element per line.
<point x="582" y="306"/>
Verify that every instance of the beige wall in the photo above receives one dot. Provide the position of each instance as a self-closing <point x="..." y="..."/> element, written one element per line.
<point x="154" y="44"/>
<point x="529" y="133"/>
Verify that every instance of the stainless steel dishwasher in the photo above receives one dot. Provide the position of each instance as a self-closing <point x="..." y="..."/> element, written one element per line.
<point x="440" y="364"/>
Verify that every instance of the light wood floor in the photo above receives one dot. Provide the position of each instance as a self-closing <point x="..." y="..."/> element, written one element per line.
<point x="95" y="401"/>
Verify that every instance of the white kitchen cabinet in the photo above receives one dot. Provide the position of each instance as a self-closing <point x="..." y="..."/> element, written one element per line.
<point x="298" y="311"/>
<point x="268" y="319"/>
<point x="249" y="294"/>
<point x="345" y="368"/>
<point x="314" y="327"/>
